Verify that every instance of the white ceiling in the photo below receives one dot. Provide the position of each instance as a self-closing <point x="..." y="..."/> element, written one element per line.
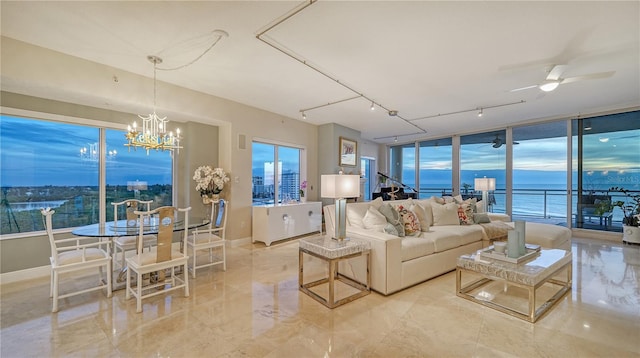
<point x="421" y="58"/>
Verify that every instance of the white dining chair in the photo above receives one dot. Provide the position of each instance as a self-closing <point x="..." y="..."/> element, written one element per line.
<point x="128" y="243"/>
<point x="210" y="238"/>
<point x="160" y="258"/>
<point x="75" y="254"/>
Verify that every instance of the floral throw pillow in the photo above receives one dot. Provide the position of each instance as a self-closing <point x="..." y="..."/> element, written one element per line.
<point x="410" y="221"/>
<point x="465" y="214"/>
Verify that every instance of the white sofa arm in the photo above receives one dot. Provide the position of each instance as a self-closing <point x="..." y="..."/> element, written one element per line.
<point x="386" y="259"/>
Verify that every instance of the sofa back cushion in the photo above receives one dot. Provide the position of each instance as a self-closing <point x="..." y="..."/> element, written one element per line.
<point x="446" y="214"/>
<point x="374" y="220"/>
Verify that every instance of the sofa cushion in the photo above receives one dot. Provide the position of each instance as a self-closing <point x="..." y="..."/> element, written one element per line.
<point x="481" y="218"/>
<point x="465" y="214"/>
<point x="414" y="247"/>
<point x="449" y="237"/>
<point x="425" y="221"/>
<point x="374" y="220"/>
<point x="446" y="214"/>
<point x="393" y="217"/>
<point x="356" y="212"/>
<point x="409" y="219"/>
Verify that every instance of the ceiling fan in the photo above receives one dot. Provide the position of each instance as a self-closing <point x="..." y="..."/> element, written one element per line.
<point x="498" y="142"/>
<point x="554" y="79"/>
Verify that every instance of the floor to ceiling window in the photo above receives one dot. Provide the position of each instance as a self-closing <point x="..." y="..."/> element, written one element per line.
<point x="435" y="167"/>
<point x="276" y="172"/>
<point x="606" y="152"/>
<point x="57" y="165"/>
<point x="540" y="173"/>
<point x="484" y="155"/>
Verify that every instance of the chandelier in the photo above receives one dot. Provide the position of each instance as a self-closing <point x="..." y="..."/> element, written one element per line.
<point x="91" y="154"/>
<point x="154" y="133"/>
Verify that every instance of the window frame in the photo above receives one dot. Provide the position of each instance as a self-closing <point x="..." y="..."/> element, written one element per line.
<point x="302" y="162"/>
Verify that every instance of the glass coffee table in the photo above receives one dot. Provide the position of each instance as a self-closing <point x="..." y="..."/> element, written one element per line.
<point x="491" y="289"/>
<point x="333" y="251"/>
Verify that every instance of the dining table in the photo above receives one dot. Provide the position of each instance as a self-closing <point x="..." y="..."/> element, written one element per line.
<point x="111" y="230"/>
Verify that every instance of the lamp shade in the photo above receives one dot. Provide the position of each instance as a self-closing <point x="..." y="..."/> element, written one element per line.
<point x="484" y="184"/>
<point x="339" y="186"/>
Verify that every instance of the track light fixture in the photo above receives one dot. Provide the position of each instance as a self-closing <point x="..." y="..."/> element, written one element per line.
<point x="304" y="115"/>
<point x="395" y="139"/>
<point x="480" y="113"/>
<point x="373" y="108"/>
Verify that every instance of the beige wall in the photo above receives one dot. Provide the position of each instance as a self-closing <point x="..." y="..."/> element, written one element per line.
<point x="34" y="78"/>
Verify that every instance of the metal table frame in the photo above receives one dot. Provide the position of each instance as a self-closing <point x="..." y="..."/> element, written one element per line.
<point x="363" y="288"/>
<point x="533" y="314"/>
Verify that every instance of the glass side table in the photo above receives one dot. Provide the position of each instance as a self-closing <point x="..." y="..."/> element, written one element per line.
<point x="332" y="251"/>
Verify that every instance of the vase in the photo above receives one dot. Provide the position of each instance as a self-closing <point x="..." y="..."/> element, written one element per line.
<point x="303" y="199"/>
<point x="631" y="234"/>
<point x="211" y="198"/>
<point x="513" y="249"/>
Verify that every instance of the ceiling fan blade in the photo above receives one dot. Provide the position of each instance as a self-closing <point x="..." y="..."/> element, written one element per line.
<point x="592" y="76"/>
<point x="556" y="72"/>
<point x="523" y="88"/>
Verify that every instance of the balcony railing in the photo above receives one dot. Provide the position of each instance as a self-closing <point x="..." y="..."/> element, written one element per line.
<point x="550" y="206"/>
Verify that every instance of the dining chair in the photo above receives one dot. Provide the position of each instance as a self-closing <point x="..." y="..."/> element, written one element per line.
<point x="210" y="238"/>
<point x="128" y="243"/>
<point x="75" y="254"/>
<point x="161" y="257"/>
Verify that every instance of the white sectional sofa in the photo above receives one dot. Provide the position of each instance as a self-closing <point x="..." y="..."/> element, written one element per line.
<point x="400" y="262"/>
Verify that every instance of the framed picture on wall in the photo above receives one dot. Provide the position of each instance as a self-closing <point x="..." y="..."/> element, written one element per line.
<point x="348" y="152"/>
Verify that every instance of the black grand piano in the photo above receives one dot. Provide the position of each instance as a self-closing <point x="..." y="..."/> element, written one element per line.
<point x="395" y="192"/>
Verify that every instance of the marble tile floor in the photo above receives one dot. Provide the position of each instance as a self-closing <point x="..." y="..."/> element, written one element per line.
<point x="254" y="309"/>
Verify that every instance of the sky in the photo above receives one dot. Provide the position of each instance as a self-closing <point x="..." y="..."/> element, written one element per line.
<point x="36" y="153"/>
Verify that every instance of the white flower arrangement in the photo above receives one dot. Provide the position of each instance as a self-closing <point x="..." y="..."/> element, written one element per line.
<point x="210" y="180"/>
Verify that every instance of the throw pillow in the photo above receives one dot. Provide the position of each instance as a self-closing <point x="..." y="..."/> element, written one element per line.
<point x="355" y="214"/>
<point x="481" y="218"/>
<point x="422" y="216"/>
<point x="390" y="229"/>
<point x="465" y="214"/>
<point x="479" y="207"/>
<point x="446" y="214"/>
<point x="393" y="217"/>
<point x="410" y="221"/>
<point x="377" y="202"/>
<point x="374" y="220"/>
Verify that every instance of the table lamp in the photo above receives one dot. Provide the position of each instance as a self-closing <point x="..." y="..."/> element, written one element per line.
<point x="340" y="187"/>
<point x="484" y="184"/>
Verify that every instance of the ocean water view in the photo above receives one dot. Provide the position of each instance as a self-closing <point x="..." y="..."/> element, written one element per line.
<point x="544" y="201"/>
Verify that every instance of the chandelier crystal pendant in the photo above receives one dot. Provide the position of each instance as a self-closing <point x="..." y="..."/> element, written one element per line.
<point x="154" y="133"/>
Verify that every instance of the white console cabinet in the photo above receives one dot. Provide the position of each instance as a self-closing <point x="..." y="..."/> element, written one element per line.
<point x="277" y="222"/>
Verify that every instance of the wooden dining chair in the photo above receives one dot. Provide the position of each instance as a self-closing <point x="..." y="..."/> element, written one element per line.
<point x="75" y="254"/>
<point x="128" y="243"/>
<point x="210" y="238"/>
<point x="160" y="258"/>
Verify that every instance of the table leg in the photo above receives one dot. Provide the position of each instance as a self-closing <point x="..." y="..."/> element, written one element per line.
<point x="332" y="277"/>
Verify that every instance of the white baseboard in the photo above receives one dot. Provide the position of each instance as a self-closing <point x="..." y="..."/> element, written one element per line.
<point x="27" y="274"/>
<point x="597" y="234"/>
<point x="239" y="242"/>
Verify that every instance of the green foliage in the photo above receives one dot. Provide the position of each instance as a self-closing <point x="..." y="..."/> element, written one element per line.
<point x="630" y="207"/>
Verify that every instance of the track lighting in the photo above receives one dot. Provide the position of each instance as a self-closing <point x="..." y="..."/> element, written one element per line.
<point x="304" y="115"/>
<point x="480" y="113"/>
<point x="373" y="108"/>
<point x="395" y="139"/>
